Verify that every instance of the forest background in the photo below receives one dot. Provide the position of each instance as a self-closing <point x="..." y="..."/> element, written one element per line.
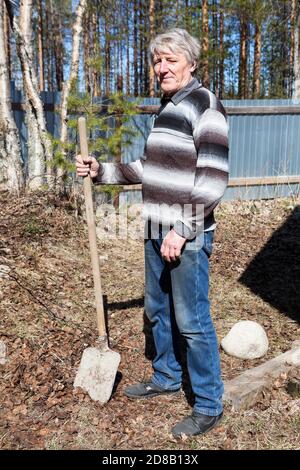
<point x="249" y="50"/>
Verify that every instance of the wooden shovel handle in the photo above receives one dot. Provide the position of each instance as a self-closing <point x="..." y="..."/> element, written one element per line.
<point x="87" y="188"/>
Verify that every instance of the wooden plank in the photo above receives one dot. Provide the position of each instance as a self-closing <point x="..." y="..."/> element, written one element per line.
<point x="262" y="110"/>
<point x="48" y="107"/>
<point x="148" y="108"/>
<point x="244" y="390"/>
<point x="152" y="109"/>
<point x="235" y="182"/>
<point x="131" y="187"/>
<point x="237" y="110"/>
<point x="265" y="180"/>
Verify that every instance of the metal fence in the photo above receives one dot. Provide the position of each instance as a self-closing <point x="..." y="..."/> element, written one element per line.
<point x="264" y="140"/>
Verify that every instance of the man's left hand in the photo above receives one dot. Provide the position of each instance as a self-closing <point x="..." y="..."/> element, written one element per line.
<point x="171" y="246"/>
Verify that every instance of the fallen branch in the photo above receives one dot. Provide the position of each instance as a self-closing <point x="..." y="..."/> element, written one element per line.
<point x="52" y="314"/>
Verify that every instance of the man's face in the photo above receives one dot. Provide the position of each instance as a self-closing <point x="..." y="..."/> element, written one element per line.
<point x="172" y="70"/>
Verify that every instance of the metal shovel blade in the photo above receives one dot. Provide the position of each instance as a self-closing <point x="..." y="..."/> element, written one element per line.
<point x="97" y="373"/>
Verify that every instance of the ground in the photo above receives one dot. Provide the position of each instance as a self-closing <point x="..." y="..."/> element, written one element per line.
<point x="48" y="317"/>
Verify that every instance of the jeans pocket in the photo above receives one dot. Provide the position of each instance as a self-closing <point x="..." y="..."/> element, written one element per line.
<point x="208" y="242"/>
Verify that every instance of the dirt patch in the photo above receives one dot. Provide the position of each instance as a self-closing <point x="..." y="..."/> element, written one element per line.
<point x="48" y="318"/>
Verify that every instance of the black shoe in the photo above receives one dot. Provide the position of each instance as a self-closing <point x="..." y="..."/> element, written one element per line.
<point x="147" y="390"/>
<point x="196" y="424"/>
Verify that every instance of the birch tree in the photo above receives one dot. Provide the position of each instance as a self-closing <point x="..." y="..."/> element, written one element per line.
<point x="11" y="174"/>
<point x="77" y="29"/>
<point x="6" y="29"/>
<point x="48" y="40"/>
<point x="296" y="93"/>
<point x="39" y="144"/>
<point x="40" y="46"/>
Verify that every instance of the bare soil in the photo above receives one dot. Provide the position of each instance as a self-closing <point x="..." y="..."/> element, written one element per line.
<point x="47" y="318"/>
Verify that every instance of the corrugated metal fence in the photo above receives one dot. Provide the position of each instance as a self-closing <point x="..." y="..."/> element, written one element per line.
<point x="264" y="142"/>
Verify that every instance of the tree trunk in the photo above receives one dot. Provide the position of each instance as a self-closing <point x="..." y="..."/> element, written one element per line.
<point x="243" y="59"/>
<point x="221" y="62"/>
<point x="127" y="52"/>
<point x="96" y="84"/>
<point x="58" y="45"/>
<point x="118" y="124"/>
<point x="39" y="144"/>
<point x="86" y="53"/>
<point x="292" y="47"/>
<point x="145" y="76"/>
<point x="6" y="29"/>
<point x="141" y="47"/>
<point x="121" y="60"/>
<point x="135" y="48"/>
<point x="177" y="10"/>
<point x="40" y="46"/>
<point x="296" y="93"/>
<point x="256" y="64"/>
<point x="107" y="57"/>
<point x="11" y="175"/>
<point x="48" y="40"/>
<point x="205" y="45"/>
<point x="285" y="53"/>
<point x="186" y="15"/>
<point x="159" y="15"/>
<point x="215" y="48"/>
<point x="152" y="28"/>
<point x="77" y="29"/>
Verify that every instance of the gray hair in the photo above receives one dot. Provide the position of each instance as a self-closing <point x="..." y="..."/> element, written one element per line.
<point x="176" y="40"/>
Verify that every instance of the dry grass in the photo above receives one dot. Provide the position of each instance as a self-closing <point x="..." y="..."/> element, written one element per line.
<point x="48" y="317"/>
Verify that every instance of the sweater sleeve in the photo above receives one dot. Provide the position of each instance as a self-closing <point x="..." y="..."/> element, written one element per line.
<point x="210" y="134"/>
<point x="121" y="173"/>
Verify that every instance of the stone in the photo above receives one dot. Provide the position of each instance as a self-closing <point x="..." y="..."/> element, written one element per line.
<point x="246" y="340"/>
<point x="3" y="353"/>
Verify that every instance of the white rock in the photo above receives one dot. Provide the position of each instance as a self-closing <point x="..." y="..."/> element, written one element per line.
<point x="246" y="340"/>
<point x="3" y="353"/>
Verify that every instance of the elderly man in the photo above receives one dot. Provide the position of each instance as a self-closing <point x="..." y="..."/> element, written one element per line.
<point x="184" y="173"/>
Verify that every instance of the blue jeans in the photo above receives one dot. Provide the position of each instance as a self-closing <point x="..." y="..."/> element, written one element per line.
<point x="176" y="302"/>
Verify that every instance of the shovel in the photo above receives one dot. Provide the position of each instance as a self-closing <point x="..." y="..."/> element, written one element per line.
<point x="99" y="365"/>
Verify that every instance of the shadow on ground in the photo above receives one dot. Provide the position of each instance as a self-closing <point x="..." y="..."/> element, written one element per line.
<point x="133" y="303"/>
<point x="274" y="273"/>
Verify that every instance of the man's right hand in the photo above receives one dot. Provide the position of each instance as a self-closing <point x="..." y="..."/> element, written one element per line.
<point x="87" y="166"/>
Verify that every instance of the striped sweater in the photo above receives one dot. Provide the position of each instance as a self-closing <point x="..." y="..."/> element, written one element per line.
<point x="184" y="169"/>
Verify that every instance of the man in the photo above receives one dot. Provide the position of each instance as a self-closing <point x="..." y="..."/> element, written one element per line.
<point x="184" y="174"/>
